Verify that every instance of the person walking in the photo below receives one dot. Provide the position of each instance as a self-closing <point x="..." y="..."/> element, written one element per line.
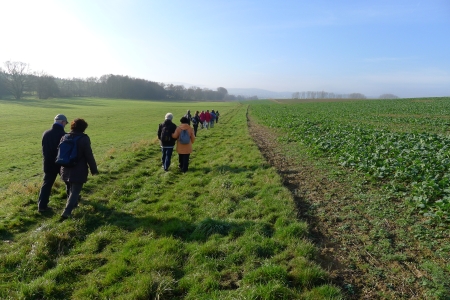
<point x="217" y="116"/>
<point x="195" y="121"/>
<point x="74" y="177"/>
<point x="188" y="116"/>
<point x="184" y="150"/>
<point x="212" y="119"/>
<point x="202" y="119"/>
<point x="165" y="131"/>
<point x="50" y="142"/>
<point x="207" y="119"/>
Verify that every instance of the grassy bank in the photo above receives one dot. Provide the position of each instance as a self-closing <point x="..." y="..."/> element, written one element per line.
<point x="227" y="229"/>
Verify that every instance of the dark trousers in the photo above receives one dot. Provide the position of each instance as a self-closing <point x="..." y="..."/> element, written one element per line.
<point x="44" y="194"/>
<point x="195" y="129"/>
<point x="166" y="157"/>
<point x="73" y="190"/>
<point x="184" y="162"/>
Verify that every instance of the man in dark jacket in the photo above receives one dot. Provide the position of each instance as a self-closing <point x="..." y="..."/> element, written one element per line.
<point x="50" y="142"/>
<point x="188" y="116"/>
<point x="75" y="177"/>
<point x="165" y="131"/>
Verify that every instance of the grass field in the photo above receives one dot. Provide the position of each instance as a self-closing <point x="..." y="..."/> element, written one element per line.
<point x="227" y="229"/>
<point x="114" y="125"/>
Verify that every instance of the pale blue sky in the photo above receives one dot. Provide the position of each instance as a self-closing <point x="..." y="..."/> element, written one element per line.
<point x="370" y="47"/>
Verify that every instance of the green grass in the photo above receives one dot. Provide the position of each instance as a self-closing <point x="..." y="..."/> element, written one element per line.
<point x="227" y="229"/>
<point x="113" y="124"/>
<point x="395" y="249"/>
<point x="402" y="144"/>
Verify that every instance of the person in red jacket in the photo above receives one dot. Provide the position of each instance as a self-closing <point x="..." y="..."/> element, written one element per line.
<point x="184" y="150"/>
<point x="207" y="119"/>
<point x="202" y="119"/>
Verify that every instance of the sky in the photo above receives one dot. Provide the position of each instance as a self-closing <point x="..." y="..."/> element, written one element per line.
<point x="401" y="47"/>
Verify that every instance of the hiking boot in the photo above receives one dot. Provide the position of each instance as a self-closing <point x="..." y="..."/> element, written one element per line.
<point x="44" y="209"/>
<point x="63" y="217"/>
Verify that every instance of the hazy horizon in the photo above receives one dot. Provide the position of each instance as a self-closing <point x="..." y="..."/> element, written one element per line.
<point x="281" y="46"/>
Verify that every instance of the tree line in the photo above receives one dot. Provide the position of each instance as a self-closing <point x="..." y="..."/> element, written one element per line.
<point x="327" y="95"/>
<point x="17" y="80"/>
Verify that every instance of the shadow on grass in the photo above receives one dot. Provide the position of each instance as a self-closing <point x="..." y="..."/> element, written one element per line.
<point x="174" y="227"/>
<point x="5" y="235"/>
<point x="229" y="169"/>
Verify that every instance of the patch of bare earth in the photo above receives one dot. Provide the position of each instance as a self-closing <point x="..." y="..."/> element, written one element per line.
<point x="321" y="201"/>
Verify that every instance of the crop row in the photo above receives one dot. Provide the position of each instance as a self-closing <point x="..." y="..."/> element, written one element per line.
<point x="412" y="165"/>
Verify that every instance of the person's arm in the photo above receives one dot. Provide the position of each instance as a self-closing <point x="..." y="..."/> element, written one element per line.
<point x="89" y="155"/>
<point x="176" y="134"/>
<point x="159" y="132"/>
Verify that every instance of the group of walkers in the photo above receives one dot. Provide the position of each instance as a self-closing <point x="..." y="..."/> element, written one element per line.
<point x="205" y="119"/>
<point x="183" y="135"/>
<point x="75" y="176"/>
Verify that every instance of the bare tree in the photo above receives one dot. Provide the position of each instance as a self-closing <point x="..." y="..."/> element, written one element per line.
<point x="295" y="95"/>
<point x="16" y="76"/>
<point x="45" y="85"/>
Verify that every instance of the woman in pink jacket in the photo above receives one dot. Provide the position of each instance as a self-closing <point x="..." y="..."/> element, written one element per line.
<point x="202" y="119"/>
<point x="184" y="150"/>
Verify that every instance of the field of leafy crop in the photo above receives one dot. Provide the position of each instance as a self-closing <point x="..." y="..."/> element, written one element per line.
<point x="402" y="145"/>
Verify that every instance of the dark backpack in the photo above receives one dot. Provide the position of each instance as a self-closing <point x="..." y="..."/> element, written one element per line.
<point x="194" y="120"/>
<point x="184" y="137"/>
<point x="67" y="151"/>
<point x="166" y="134"/>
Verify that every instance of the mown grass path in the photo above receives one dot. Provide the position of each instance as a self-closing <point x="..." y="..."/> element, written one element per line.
<point x="227" y="229"/>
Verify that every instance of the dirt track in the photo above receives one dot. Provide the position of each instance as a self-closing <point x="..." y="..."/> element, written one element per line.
<point x="301" y="179"/>
<point x="319" y="200"/>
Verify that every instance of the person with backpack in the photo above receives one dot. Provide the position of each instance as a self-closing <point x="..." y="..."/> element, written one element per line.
<point x="165" y="131"/>
<point x="212" y="118"/>
<point x="76" y="175"/>
<point x="188" y="116"/>
<point x="195" y="122"/>
<point x="185" y="138"/>
<point x="217" y="116"/>
<point x="50" y="142"/>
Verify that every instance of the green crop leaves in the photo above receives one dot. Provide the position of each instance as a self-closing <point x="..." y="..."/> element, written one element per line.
<point x="379" y="139"/>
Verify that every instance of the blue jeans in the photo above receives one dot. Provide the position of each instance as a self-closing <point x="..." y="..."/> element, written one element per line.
<point x="166" y="157"/>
